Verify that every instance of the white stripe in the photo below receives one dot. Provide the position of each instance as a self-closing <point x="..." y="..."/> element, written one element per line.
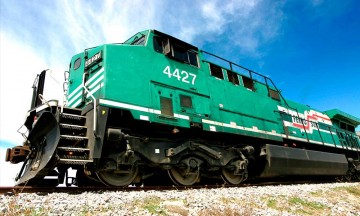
<point x="264" y="132"/>
<point x="144" y="117"/>
<point x="74" y="98"/>
<point x="96" y="82"/>
<point x="326" y="131"/>
<point x="91" y="79"/>
<point x="88" y="95"/>
<point x="181" y="116"/>
<point x="74" y="92"/>
<point x="234" y="126"/>
<point x="94" y="76"/>
<point x="80" y="93"/>
<point x="76" y="104"/>
<point x="313" y="141"/>
<point x="93" y="91"/>
<point x="128" y="106"/>
<point x="139" y="108"/>
<point x="155" y="111"/>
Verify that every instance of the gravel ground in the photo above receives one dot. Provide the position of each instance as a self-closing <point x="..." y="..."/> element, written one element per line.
<point x="310" y="199"/>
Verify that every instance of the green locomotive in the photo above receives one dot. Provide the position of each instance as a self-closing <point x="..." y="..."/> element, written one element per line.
<point x="155" y="103"/>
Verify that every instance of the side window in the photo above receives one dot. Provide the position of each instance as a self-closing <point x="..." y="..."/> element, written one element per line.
<point x="187" y="56"/>
<point x="193" y="60"/>
<point x="248" y="83"/>
<point x="342" y="125"/>
<point x="351" y="128"/>
<point x="158" y="44"/>
<point x="233" y="77"/>
<point x="166" y="106"/>
<point x="216" y="71"/>
<point x="179" y="52"/>
<point x="186" y="101"/>
<point x="77" y="63"/>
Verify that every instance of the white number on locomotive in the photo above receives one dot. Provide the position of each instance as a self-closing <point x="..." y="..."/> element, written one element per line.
<point x="181" y="76"/>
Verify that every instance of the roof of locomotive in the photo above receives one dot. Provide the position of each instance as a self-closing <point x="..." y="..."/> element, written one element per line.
<point x="338" y="114"/>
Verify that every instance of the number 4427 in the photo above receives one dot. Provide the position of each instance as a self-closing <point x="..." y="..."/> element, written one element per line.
<point x="181" y="76"/>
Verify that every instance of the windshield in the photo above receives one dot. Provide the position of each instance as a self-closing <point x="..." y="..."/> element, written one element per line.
<point x="137" y="39"/>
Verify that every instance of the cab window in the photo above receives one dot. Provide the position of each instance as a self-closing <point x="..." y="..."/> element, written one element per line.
<point x="77" y="63"/>
<point x="138" y="39"/>
<point x="175" y="51"/>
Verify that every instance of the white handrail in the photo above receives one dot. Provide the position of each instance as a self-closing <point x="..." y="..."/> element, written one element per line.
<point x="65" y="90"/>
<point x="94" y="101"/>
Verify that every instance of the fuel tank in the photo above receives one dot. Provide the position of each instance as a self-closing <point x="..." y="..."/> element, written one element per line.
<point x="285" y="161"/>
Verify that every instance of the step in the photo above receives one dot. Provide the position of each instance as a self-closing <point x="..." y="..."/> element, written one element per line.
<point x="72" y="153"/>
<point x="73" y="149"/>
<point x="72" y="126"/>
<point x="71" y="119"/>
<point x="70" y="141"/>
<point x="72" y="116"/>
<point x="69" y="137"/>
<point x="74" y="111"/>
<point x="74" y="161"/>
<point x="72" y="130"/>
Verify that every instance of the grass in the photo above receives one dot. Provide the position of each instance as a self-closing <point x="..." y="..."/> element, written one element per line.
<point x="307" y="207"/>
<point x="14" y="209"/>
<point x="306" y="204"/>
<point x="272" y="203"/>
<point x="152" y="204"/>
<point x="352" y="190"/>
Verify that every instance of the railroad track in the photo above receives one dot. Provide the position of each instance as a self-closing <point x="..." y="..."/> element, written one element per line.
<point x="75" y="190"/>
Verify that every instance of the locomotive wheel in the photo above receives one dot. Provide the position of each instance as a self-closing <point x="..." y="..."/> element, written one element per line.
<point x="229" y="177"/>
<point x="117" y="178"/>
<point x="188" y="173"/>
<point x="180" y="177"/>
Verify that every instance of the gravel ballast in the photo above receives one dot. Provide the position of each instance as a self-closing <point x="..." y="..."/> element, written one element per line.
<point x="308" y="199"/>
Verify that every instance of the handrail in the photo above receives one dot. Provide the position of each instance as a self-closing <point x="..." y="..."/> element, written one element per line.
<point x="94" y="101"/>
<point x="65" y="90"/>
<point x="251" y="72"/>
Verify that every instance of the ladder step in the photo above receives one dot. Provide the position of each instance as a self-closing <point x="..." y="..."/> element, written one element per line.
<point x="72" y="116"/>
<point x="71" y="126"/>
<point x="73" y="149"/>
<point x="68" y="137"/>
<point x="69" y="110"/>
<point x="74" y="161"/>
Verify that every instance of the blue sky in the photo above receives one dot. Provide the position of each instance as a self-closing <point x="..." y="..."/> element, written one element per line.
<point x="310" y="48"/>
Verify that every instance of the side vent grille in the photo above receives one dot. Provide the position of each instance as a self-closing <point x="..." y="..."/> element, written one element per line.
<point x="166" y="106"/>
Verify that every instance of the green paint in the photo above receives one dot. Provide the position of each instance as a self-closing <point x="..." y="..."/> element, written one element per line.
<point x="139" y="78"/>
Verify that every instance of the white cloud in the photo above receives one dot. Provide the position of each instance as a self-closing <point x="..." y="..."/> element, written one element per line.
<point x="19" y="64"/>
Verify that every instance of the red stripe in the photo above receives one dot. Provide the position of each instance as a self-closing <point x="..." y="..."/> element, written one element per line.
<point x="308" y="117"/>
<point x="325" y="118"/>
